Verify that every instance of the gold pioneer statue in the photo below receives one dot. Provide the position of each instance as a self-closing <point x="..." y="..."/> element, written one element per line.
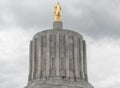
<point x="57" y="12"/>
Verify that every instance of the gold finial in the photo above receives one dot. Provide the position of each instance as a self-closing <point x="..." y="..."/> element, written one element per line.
<point x="57" y="12"/>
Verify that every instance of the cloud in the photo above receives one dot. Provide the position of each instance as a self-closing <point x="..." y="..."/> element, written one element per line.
<point x="13" y="46"/>
<point x="14" y="57"/>
<point x="96" y="18"/>
<point x="103" y="62"/>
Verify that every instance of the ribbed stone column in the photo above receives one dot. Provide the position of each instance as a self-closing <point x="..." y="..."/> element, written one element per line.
<point x="76" y="58"/>
<point x="85" y="61"/>
<point x="53" y="55"/>
<point x="38" y="58"/>
<point x="30" y="62"/>
<point x="71" y="57"/>
<point x="44" y="55"/>
<point x="67" y="58"/>
<point x="48" y="57"/>
<point x="58" y="54"/>
<point x="81" y="60"/>
<point x="58" y="57"/>
<point x="62" y="56"/>
<point x="33" y="60"/>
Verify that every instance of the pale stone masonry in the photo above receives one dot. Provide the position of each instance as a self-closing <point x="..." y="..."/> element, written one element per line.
<point x="58" y="59"/>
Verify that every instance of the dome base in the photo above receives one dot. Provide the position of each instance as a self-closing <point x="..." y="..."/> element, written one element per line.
<point x="58" y="84"/>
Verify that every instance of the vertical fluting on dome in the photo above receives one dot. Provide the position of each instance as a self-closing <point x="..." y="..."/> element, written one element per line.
<point x="52" y="55"/>
<point x="85" y="60"/>
<point x="58" y="56"/>
<point x="30" y="62"/>
<point x="43" y="55"/>
<point x="76" y="58"/>
<point x="62" y="56"/>
<point x="48" y="57"/>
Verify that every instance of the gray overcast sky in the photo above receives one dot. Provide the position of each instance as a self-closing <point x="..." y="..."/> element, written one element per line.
<point x="97" y="20"/>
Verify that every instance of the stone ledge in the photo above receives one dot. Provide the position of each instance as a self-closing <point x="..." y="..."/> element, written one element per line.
<point x="58" y="84"/>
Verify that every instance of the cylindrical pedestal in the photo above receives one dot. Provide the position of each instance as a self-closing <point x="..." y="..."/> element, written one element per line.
<point x="57" y="25"/>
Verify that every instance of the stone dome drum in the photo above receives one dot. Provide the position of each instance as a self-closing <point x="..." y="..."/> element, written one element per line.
<point x="58" y="60"/>
<point x="58" y="54"/>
